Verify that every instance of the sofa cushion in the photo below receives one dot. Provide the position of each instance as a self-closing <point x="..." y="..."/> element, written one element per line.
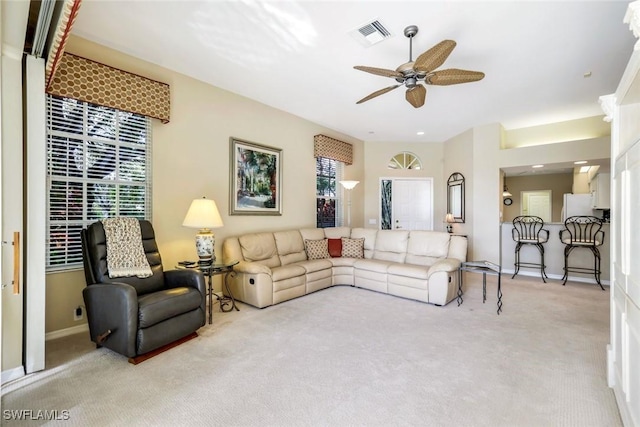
<point x="336" y="232"/>
<point x="374" y="265"/>
<point x="312" y="266"/>
<point x="290" y="246"/>
<point x="343" y="262"/>
<point x="335" y="247"/>
<point x="287" y="272"/>
<point x="312" y="233"/>
<point x="317" y="249"/>
<point x="369" y="235"/>
<point x="391" y="245"/>
<point x="352" y="248"/>
<point x="260" y="247"/>
<point x="427" y="247"/>
<point x="159" y="306"/>
<point x="408" y="270"/>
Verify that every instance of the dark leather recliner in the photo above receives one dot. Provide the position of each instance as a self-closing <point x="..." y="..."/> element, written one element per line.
<point x="134" y="316"/>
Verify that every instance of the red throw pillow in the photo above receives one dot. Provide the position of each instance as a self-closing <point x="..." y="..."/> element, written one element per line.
<point x="335" y="248"/>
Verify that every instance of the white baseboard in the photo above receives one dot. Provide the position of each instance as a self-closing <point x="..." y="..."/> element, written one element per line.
<point x="556" y="276"/>
<point x="66" y="332"/>
<point x="12" y="374"/>
<point x="611" y="357"/>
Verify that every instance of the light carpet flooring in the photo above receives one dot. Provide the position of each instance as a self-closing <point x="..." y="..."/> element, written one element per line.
<point x="347" y="356"/>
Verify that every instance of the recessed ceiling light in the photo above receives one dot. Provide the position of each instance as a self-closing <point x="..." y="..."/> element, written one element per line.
<point x="537" y="166"/>
<point x="420" y="133"/>
<point x="580" y="162"/>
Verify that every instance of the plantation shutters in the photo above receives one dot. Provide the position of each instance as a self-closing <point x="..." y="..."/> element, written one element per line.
<point x="98" y="166"/>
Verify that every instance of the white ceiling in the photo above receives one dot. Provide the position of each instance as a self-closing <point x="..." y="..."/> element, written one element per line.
<point x="298" y="56"/>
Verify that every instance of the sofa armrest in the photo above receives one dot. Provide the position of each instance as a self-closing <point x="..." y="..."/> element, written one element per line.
<point x="187" y="278"/>
<point x="113" y="307"/>
<point x="448" y="265"/>
<point x="251" y="268"/>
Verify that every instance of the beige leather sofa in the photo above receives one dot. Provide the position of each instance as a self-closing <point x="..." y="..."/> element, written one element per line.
<point x="274" y="267"/>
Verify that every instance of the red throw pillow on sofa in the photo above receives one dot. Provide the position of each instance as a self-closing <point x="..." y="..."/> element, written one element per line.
<point x="335" y="248"/>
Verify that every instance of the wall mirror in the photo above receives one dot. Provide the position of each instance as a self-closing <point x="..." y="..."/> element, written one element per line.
<point x="455" y="196"/>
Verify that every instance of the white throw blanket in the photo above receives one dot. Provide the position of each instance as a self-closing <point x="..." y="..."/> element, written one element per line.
<point x="125" y="253"/>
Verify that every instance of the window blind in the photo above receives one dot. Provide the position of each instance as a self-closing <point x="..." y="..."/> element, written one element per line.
<point x="98" y="166"/>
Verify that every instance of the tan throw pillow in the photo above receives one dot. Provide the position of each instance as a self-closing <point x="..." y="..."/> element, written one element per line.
<point x="352" y="248"/>
<point x="317" y="249"/>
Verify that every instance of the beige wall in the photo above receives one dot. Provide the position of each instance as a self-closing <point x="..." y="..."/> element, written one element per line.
<point x="486" y="193"/>
<point x="458" y="157"/>
<point x="191" y="160"/>
<point x="569" y="151"/>
<point x="377" y="156"/>
<point x="559" y="184"/>
<point x="570" y="130"/>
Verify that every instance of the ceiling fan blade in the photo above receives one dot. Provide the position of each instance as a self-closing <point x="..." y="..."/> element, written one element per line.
<point x="377" y="93"/>
<point x="453" y="76"/>
<point x="416" y="95"/>
<point x="434" y="57"/>
<point x="379" y="71"/>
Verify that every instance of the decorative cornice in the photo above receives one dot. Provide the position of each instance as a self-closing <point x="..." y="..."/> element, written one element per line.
<point x="632" y="17"/>
<point x="607" y="103"/>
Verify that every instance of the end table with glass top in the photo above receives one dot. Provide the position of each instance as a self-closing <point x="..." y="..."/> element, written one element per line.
<point x="226" y="300"/>
<point x="484" y="267"/>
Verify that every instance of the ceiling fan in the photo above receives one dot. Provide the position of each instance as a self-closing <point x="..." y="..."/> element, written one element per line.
<point x="422" y="70"/>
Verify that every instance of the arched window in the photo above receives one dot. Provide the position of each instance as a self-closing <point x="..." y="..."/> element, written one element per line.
<point x="405" y="160"/>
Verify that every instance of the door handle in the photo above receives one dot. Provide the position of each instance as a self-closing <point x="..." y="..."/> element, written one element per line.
<point x="16" y="262"/>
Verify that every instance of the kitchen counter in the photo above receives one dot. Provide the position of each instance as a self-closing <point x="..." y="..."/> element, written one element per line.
<point x="553" y="255"/>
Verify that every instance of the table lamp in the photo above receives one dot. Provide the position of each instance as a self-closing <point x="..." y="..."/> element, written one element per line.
<point x="203" y="214"/>
<point x="349" y="185"/>
<point x="449" y="220"/>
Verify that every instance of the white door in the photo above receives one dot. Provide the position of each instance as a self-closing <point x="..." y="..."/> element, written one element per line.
<point x="536" y="203"/>
<point x="412" y="204"/>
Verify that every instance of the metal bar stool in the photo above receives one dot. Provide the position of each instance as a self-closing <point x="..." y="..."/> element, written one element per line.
<point x="582" y="232"/>
<point x="528" y="230"/>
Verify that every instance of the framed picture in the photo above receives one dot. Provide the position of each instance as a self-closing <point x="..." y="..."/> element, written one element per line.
<point x="256" y="179"/>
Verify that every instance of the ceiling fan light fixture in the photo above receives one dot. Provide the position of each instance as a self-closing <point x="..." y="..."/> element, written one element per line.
<point x="424" y="68"/>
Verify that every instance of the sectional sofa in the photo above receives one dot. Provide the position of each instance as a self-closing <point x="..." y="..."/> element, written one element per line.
<point x="278" y="266"/>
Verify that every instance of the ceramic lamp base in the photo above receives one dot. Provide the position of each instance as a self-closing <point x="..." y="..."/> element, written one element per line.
<point x="205" y="242"/>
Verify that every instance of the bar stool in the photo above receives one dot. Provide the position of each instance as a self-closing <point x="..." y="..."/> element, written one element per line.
<point x="528" y="230"/>
<point x="582" y="232"/>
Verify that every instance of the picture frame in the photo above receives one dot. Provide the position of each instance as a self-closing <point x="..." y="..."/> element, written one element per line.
<point x="255" y="180"/>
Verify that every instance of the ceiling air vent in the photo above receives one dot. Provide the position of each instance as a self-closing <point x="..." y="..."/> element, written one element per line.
<point x="370" y="33"/>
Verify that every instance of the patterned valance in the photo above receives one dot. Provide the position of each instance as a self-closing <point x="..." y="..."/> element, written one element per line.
<point x="61" y="32"/>
<point x="85" y="80"/>
<point x="324" y="146"/>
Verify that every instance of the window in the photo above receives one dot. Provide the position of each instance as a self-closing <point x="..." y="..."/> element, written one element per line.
<point x="328" y="174"/>
<point x="98" y="166"/>
<point x="404" y="160"/>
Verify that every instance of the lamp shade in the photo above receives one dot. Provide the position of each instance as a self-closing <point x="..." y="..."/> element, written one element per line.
<point x="449" y="218"/>
<point x="203" y="213"/>
<point x="505" y="192"/>
<point x="349" y="185"/>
